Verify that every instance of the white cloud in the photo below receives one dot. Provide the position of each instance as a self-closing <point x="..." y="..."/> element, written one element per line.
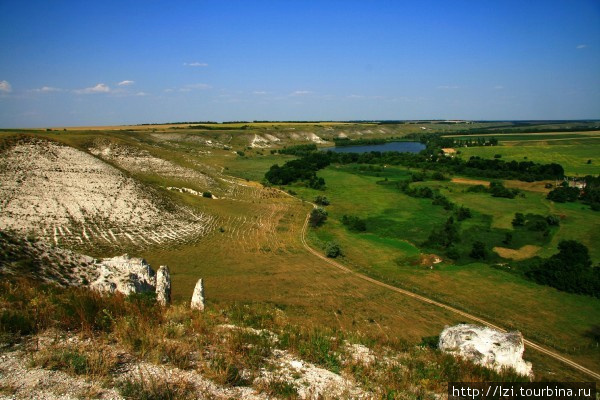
<point x="300" y="92"/>
<point x="202" y="86"/>
<point x="195" y="64"/>
<point x="47" y="89"/>
<point x="99" y="88"/>
<point x="126" y="83"/>
<point x="581" y="46"/>
<point x="5" y="87"/>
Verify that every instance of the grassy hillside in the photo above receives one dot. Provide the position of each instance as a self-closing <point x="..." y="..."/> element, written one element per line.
<point x="253" y="253"/>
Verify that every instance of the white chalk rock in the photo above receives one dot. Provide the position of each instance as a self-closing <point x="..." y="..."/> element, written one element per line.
<point x="487" y="347"/>
<point x="198" y="296"/>
<point x="163" y="286"/>
<point x="124" y="274"/>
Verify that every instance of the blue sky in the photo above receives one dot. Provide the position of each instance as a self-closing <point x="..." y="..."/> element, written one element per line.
<point x="69" y="63"/>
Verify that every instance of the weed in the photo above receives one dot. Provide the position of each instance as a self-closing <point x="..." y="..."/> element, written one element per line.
<point x="154" y="388"/>
<point x="90" y="361"/>
<point x="280" y="388"/>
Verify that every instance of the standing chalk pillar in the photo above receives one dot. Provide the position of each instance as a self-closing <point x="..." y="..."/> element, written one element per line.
<point x="198" y="296"/>
<point x="163" y="286"/>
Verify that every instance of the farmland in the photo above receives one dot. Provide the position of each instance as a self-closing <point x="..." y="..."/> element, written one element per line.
<point x="576" y="152"/>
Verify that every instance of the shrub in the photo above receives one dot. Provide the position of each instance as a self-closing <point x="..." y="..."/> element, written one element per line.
<point x="332" y="249"/>
<point x="354" y="223"/>
<point x="317" y="217"/>
<point x="452" y="253"/>
<point x="497" y="189"/>
<point x="463" y="213"/>
<point x="322" y="200"/>
<point x="445" y="236"/>
<point x="519" y="220"/>
<point x="430" y="341"/>
<point x="563" y="194"/>
<point x="478" y="251"/>
<point x="418" y="177"/>
<point x="536" y="223"/>
<point x="153" y="388"/>
<point x="438" y="176"/>
<point x="207" y="195"/>
<point x="441" y="200"/>
<point x="477" y="189"/>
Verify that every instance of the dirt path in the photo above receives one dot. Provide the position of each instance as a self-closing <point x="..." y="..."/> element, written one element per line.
<point x="529" y="343"/>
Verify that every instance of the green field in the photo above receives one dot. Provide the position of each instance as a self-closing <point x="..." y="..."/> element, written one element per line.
<point x="397" y="225"/>
<point x="573" y="157"/>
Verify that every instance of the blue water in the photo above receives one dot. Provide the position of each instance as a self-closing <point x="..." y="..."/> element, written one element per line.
<point x="406" y="147"/>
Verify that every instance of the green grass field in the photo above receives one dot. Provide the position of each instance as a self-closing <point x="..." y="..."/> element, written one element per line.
<point x="573" y="157"/>
<point x="397" y="225"/>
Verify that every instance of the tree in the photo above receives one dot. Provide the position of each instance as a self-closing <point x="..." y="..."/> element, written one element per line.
<point x="497" y="189"/>
<point x="463" y="213"/>
<point x="553" y="220"/>
<point x="332" y="249"/>
<point x="317" y="217"/>
<point x="519" y="220"/>
<point x="354" y="223"/>
<point x="569" y="270"/>
<point x="563" y="194"/>
<point x="445" y="236"/>
<point x="478" y="251"/>
<point x="322" y="200"/>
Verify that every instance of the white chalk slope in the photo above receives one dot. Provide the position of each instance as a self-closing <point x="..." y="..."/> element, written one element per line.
<point x="66" y="196"/>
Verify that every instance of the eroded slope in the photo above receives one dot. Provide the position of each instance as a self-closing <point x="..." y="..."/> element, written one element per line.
<point x="69" y="197"/>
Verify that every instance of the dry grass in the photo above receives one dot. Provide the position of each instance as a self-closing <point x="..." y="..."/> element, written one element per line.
<point x="94" y="360"/>
<point x="230" y="356"/>
<point x="538" y="186"/>
<point x="523" y="253"/>
<point x="467" y="181"/>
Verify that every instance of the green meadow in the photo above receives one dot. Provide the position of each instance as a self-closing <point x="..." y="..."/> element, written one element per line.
<point x="392" y="249"/>
<point x="578" y="157"/>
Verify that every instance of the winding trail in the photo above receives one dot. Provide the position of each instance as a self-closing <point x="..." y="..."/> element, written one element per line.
<point x="424" y="299"/>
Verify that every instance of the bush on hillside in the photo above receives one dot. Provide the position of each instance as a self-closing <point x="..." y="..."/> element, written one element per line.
<point x="317" y="217"/>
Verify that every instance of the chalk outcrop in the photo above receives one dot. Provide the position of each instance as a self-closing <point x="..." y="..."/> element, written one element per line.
<point x="70" y="198"/>
<point x="163" y="286"/>
<point x="487" y="347"/>
<point x="124" y="274"/>
<point x="198" y="296"/>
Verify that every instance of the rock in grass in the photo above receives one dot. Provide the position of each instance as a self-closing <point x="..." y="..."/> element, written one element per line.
<point x="487" y="347"/>
<point x="163" y="286"/>
<point x="124" y="274"/>
<point x="198" y="296"/>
